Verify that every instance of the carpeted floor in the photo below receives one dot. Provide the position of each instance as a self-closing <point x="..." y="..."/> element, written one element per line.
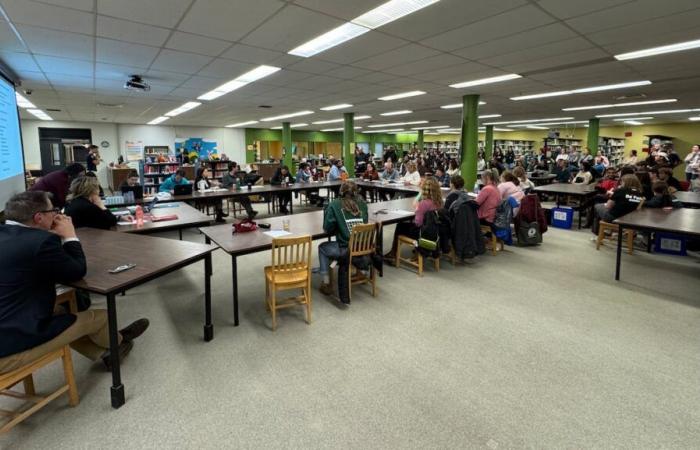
<point x="533" y="348"/>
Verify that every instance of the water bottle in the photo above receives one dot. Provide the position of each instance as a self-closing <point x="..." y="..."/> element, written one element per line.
<point x="476" y="187"/>
<point x="139" y="215"/>
<point x="238" y="184"/>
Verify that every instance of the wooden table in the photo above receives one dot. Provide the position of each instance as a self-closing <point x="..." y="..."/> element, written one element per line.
<point x="154" y="257"/>
<point x="311" y="223"/>
<point x="187" y="217"/>
<point x="688" y="199"/>
<point x="679" y="221"/>
<point x="542" y="179"/>
<point x="583" y="191"/>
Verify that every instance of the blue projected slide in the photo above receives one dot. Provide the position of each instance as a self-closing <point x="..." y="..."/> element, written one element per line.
<point x="11" y="162"/>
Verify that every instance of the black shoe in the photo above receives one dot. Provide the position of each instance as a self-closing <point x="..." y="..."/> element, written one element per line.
<point x="284" y="210"/>
<point x="223" y="214"/>
<point x="252" y="215"/>
<point x="124" y="349"/>
<point x="134" y="330"/>
<point x="219" y="219"/>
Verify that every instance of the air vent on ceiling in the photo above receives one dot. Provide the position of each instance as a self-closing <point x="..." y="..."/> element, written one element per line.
<point x="110" y="105"/>
<point x="264" y="106"/>
<point x="53" y="109"/>
<point x="630" y="97"/>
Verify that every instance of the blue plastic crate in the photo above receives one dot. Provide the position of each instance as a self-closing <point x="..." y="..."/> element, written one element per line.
<point x="562" y="217"/>
<point x="669" y="243"/>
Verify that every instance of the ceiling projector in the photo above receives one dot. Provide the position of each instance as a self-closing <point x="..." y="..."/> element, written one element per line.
<point x="136" y="83"/>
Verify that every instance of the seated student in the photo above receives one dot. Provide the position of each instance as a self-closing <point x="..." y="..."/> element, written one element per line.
<point x="203" y="182"/>
<point x="370" y="173"/>
<point x="624" y="200"/>
<point x="510" y="187"/>
<point x="281" y="177"/>
<point x="58" y="182"/>
<point x="339" y="217"/>
<point x="338" y="171"/>
<point x="526" y="185"/>
<point x="131" y="180"/>
<point x="583" y="176"/>
<point x="609" y="181"/>
<point x="488" y="199"/>
<point x="304" y="175"/>
<point x="662" y="198"/>
<point x="178" y="178"/>
<point x="412" y="176"/>
<point x="456" y="188"/>
<point x="40" y="249"/>
<point x="229" y="181"/>
<point x="666" y="174"/>
<point x="645" y="181"/>
<point x="454" y="168"/>
<point x="86" y="208"/>
<point x="442" y="178"/>
<point x="389" y="173"/>
<point x="430" y="200"/>
<point x="562" y="172"/>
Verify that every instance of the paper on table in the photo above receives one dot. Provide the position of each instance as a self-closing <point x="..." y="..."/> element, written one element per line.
<point x="277" y="233"/>
<point x="125" y="222"/>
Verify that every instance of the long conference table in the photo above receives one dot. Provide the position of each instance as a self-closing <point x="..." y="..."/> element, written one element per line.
<point x="187" y="217"/>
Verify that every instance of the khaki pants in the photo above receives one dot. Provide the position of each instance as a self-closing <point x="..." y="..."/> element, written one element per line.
<point x="89" y="336"/>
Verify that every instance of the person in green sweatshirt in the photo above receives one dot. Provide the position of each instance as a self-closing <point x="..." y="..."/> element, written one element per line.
<point x="339" y="217"/>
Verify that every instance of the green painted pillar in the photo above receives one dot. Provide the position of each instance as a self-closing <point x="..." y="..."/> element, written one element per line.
<point x="488" y="143"/>
<point x="419" y="141"/>
<point x="593" y="130"/>
<point x="287" y="144"/>
<point x="348" y="141"/>
<point x="470" y="139"/>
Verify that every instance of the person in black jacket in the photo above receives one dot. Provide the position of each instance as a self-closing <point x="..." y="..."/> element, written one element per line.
<point x="40" y="248"/>
<point x="85" y="206"/>
<point x="280" y="178"/>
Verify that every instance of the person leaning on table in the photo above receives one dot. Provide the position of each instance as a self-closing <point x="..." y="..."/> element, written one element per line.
<point x="40" y="249"/>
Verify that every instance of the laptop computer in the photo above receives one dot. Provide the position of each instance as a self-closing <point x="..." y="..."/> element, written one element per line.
<point x="183" y="189"/>
<point x="137" y="190"/>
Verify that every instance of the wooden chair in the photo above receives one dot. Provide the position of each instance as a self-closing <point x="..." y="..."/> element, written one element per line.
<point x="363" y="242"/>
<point x="451" y="256"/>
<point x="495" y="242"/>
<point x="290" y="269"/>
<point x="33" y="402"/>
<point x="418" y="262"/>
<point x="628" y="235"/>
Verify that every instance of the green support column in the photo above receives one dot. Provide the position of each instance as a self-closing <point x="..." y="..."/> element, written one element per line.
<point x="287" y="144"/>
<point x="470" y="139"/>
<point x="488" y="143"/>
<point x="419" y="142"/>
<point x="348" y="140"/>
<point x="593" y="129"/>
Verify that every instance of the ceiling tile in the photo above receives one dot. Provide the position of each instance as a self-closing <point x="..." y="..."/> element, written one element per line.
<point x="348" y="72"/>
<point x="433" y="63"/>
<point x="225" y="69"/>
<point x="407" y="54"/>
<point x="70" y="80"/>
<point x="165" y="78"/>
<point x="283" y="31"/>
<point x="204" y="84"/>
<point x="508" y="23"/>
<point x="19" y="61"/>
<point x="369" y="44"/>
<point x="115" y="72"/>
<point x="164" y="13"/>
<point x="174" y="61"/>
<point x="342" y="9"/>
<point x="587" y="56"/>
<point x="52" y="65"/>
<point x="48" y="16"/>
<point x="312" y="65"/>
<point x="57" y="43"/>
<point x="125" y="30"/>
<point x="8" y="39"/>
<point x="565" y="10"/>
<point x="85" y="5"/>
<point x="283" y="78"/>
<point x="29" y="76"/>
<point x="124" y="53"/>
<point x="193" y="43"/>
<point x="253" y="55"/>
<point x="224" y="19"/>
<point x="547" y="51"/>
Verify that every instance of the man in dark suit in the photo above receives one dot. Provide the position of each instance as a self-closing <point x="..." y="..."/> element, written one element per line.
<point x="39" y="249"/>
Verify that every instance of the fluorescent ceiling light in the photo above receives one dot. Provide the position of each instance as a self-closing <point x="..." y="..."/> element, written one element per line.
<point x="23" y="102"/>
<point x="479" y="82"/>
<point x="694" y="119"/>
<point x="572" y="122"/>
<point x="362" y="117"/>
<point x="666" y="111"/>
<point x="551" y="119"/>
<point x="293" y="125"/>
<point x="633" y="122"/>
<point x="181" y="109"/>
<point x="287" y="116"/>
<point x="339" y="129"/>
<point x="322" y="122"/>
<point x="607" y="87"/>
<point x="502" y="129"/>
<point x="242" y="124"/>
<point x="336" y="36"/>
<point x="390" y="11"/>
<point x="402" y="95"/>
<point x="392" y="130"/>
<point x="437" y="127"/>
<point x="633" y="118"/>
<point x="535" y="127"/>
<point x="457" y="105"/>
<point x="39" y="114"/>
<point x="334" y="107"/>
<point x="489" y="116"/>
<point x="396" y="113"/>
<point x="679" y="47"/>
<point x="620" y="105"/>
<point x="248" y="77"/>
<point x="397" y="124"/>
<point x="158" y="120"/>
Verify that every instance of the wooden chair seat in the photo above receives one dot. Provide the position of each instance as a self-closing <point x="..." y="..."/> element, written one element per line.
<point x="605" y="227"/>
<point x="416" y="262"/>
<point x="287" y="278"/>
<point x="495" y="242"/>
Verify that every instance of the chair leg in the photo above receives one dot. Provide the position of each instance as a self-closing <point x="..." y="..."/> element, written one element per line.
<point x="73" y="398"/>
<point x="267" y="295"/>
<point x="308" y="302"/>
<point x="436" y="261"/>
<point x="273" y="307"/>
<point x="494" y="244"/>
<point x="601" y="236"/>
<point x="29" y="385"/>
<point x="420" y="265"/>
<point x="373" y="278"/>
<point x="630" y="241"/>
<point x="350" y="282"/>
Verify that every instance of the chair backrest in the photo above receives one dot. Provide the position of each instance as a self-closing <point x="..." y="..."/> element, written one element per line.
<point x="291" y="254"/>
<point x="363" y="239"/>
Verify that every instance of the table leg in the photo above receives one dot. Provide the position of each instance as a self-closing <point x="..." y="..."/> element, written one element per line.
<point x="649" y="236"/>
<point x="117" y="389"/>
<point x="179" y="232"/>
<point x="291" y="203"/>
<point x="208" y="327"/>
<point x="619" y="253"/>
<point x="234" y="280"/>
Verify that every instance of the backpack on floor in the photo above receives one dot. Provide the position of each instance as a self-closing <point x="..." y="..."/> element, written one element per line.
<point x="528" y="234"/>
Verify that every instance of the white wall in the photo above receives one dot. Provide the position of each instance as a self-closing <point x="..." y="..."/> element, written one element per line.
<point x="230" y="140"/>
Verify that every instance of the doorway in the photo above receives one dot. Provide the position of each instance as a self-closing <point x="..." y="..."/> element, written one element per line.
<point x="60" y="147"/>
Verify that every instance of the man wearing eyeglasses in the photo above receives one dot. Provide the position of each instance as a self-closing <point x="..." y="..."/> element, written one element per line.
<point x="40" y="249"/>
